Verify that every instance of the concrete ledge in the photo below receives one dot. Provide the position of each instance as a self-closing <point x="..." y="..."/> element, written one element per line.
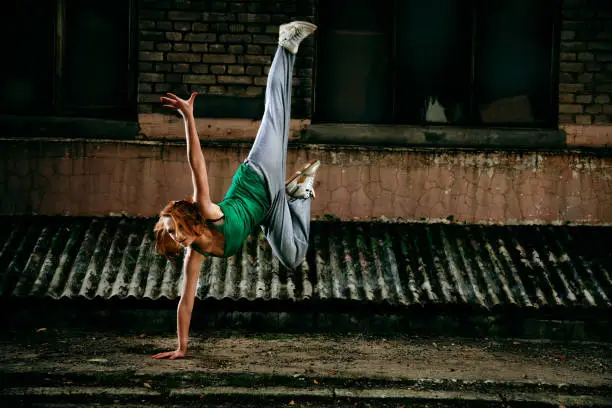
<point x="285" y="395"/>
<point x="179" y="383"/>
<point x="588" y="136"/>
<point x="434" y="136"/>
<point x="31" y="127"/>
<point x="160" y="126"/>
<point x="388" y="395"/>
<point x="156" y="126"/>
<point x="267" y="392"/>
<point x="103" y="392"/>
<point x="208" y="315"/>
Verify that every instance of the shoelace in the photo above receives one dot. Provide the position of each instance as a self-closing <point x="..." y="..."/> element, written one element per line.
<point x="308" y="183"/>
<point x="298" y="31"/>
<point x="292" y="36"/>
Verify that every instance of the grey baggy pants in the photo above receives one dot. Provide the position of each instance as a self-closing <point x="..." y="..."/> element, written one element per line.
<point x="287" y="224"/>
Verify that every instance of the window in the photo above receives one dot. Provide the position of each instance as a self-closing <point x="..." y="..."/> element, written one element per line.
<point x="69" y="58"/>
<point x="461" y="62"/>
<point x="27" y="84"/>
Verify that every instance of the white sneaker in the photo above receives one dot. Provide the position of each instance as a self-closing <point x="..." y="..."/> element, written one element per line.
<point x="291" y="35"/>
<point x="301" y="185"/>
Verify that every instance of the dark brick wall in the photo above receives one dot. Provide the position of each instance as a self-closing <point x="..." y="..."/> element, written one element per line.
<point x="585" y="77"/>
<point x="221" y="49"/>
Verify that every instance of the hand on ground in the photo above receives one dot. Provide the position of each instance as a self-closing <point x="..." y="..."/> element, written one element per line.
<point x="171" y="355"/>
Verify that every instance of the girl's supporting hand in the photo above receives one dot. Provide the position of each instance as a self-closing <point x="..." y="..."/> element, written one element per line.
<point x="171" y="355"/>
<point x="185" y="107"/>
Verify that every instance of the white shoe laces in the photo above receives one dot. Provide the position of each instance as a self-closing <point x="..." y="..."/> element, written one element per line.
<point x="308" y="184"/>
<point x="298" y="31"/>
<point x="293" y="34"/>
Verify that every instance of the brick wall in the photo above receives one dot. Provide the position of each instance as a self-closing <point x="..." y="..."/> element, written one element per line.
<point x="585" y="77"/>
<point x="220" y="49"/>
<point x="223" y="50"/>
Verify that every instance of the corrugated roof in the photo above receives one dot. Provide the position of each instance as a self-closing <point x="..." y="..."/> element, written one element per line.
<point x="394" y="264"/>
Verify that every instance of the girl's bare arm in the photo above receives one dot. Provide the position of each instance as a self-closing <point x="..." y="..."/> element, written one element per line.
<point x="195" y="156"/>
<point x="191" y="272"/>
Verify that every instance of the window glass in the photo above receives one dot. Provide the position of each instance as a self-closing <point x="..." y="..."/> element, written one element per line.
<point x="95" y="76"/>
<point x="358" y="15"/>
<point x="433" y="45"/>
<point x="451" y="62"/>
<point x="26" y="85"/>
<point x="513" y="61"/>
<point x="355" y="84"/>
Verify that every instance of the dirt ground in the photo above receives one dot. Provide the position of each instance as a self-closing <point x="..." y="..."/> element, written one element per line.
<point x="310" y="357"/>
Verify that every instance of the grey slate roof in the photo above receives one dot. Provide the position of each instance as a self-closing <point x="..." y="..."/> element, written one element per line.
<point x="379" y="263"/>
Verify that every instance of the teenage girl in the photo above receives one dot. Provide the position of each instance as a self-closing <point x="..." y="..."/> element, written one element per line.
<point x="258" y="194"/>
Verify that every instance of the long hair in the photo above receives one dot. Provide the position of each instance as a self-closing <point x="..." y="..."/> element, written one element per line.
<point x="186" y="216"/>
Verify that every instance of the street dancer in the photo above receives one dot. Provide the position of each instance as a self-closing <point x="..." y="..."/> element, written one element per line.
<point x="258" y="195"/>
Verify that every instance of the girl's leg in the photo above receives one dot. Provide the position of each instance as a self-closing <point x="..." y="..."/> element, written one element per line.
<point x="268" y="155"/>
<point x="288" y="229"/>
<point x="287" y="225"/>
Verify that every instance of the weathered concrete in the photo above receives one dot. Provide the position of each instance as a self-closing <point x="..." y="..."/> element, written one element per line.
<point x="335" y="318"/>
<point x="433" y="136"/>
<point x="155" y="126"/>
<point x="287" y="396"/>
<point x="588" y="136"/>
<point x="98" y="177"/>
<point x="159" y="126"/>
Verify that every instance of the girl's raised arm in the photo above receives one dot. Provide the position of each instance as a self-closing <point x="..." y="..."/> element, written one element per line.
<point x="195" y="156"/>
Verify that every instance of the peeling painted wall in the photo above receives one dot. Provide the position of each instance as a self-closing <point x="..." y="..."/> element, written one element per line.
<point x="79" y="177"/>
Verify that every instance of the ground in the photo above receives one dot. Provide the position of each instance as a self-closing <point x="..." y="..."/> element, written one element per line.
<point x="287" y="368"/>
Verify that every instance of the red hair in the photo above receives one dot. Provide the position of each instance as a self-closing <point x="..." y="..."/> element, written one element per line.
<point x="186" y="216"/>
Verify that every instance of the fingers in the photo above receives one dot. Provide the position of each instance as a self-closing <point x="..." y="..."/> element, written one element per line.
<point x="174" y="102"/>
<point x="175" y="98"/>
<point x="172" y="355"/>
<point x="168" y="103"/>
<point x="167" y="100"/>
<point x="163" y="355"/>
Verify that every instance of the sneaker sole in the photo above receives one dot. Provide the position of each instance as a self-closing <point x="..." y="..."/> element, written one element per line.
<point x="285" y="27"/>
<point x="307" y="24"/>
<point x="301" y="171"/>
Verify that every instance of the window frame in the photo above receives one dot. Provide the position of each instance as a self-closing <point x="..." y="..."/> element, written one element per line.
<point x="59" y="108"/>
<point x="550" y="124"/>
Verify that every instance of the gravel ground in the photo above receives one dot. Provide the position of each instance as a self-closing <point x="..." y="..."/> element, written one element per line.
<point x="45" y="357"/>
<point x="353" y="356"/>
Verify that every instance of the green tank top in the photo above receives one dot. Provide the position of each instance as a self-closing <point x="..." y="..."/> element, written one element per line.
<point x="244" y="207"/>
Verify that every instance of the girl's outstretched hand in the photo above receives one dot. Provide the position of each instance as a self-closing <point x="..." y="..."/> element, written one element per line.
<point x="171" y="355"/>
<point x="185" y="107"/>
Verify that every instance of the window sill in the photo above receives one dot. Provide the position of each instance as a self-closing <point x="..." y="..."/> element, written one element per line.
<point x="433" y="136"/>
<point x="14" y="126"/>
